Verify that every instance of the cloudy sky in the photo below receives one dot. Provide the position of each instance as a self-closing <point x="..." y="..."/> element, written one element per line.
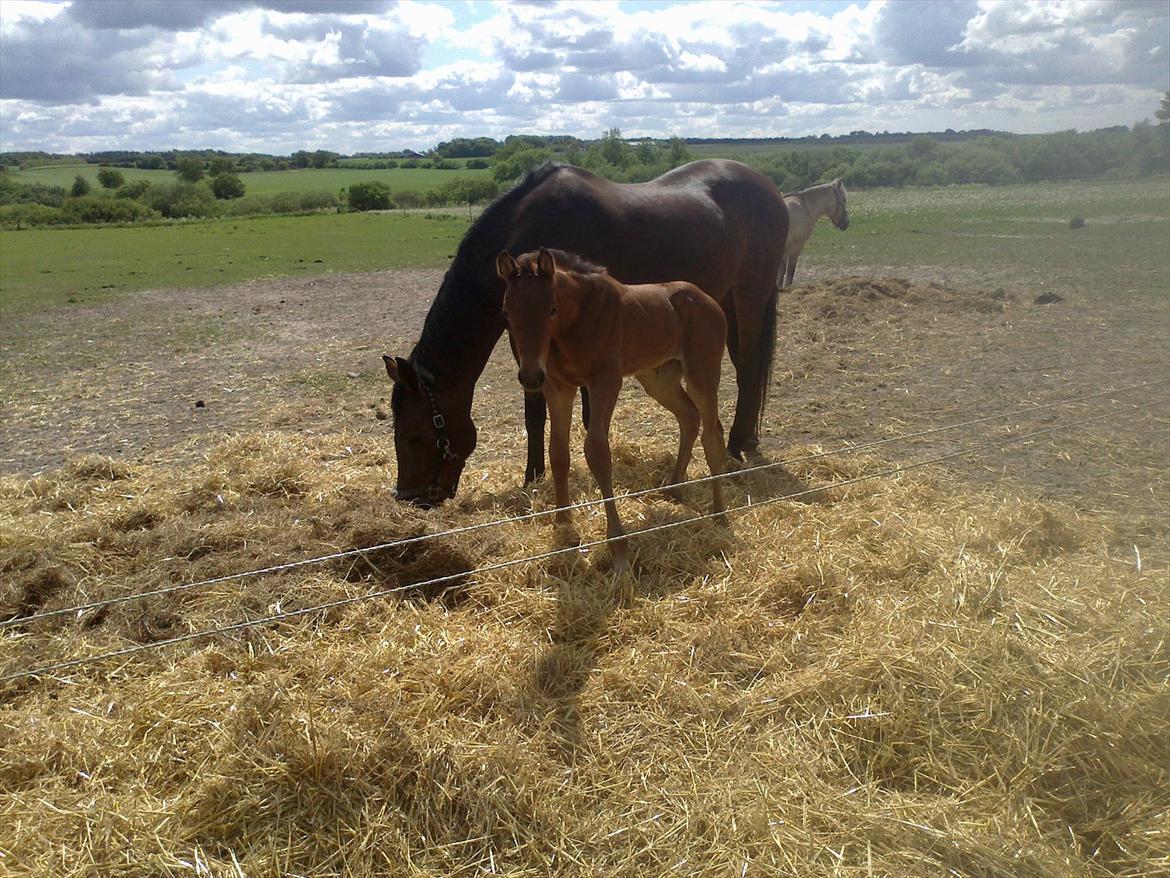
<point x="370" y="75"/>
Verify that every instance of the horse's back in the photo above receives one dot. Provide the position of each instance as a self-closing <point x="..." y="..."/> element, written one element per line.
<point x="712" y="222"/>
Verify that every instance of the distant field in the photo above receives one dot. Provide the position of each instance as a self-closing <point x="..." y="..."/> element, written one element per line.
<point x="47" y="268"/>
<point x="270" y="182"/>
<point x="967" y="228"/>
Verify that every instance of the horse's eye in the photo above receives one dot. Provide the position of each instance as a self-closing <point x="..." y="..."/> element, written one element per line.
<point x="553" y="312"/>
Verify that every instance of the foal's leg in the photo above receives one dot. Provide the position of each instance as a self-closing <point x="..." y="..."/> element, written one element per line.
<point x="665" y="385"/>
<point x="560" y="412"/>
<point x="603" y="395"/>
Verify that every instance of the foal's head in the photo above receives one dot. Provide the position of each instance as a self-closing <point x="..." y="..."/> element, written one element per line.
<point x="530" y="305"/>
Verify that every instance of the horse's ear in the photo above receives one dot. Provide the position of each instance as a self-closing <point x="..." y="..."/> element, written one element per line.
<point x="505" y="265"/>
<point x="400" y="371"/>
<point x="546" y="265"/>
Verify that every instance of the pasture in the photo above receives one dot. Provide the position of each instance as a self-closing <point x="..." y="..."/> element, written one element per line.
<point x="956" y="669"/>
<point x="269" y="182"/>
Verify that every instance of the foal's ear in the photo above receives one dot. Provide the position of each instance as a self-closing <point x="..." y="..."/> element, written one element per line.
<point x="546" y="265"/>
<point x="400" y="370"/>
<point x="505" y="265"/>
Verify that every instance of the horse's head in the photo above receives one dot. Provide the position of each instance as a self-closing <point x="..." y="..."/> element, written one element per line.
<point x="840" y="215"/>
<point x="530" y="306"/>
<point x="431" y="447"/>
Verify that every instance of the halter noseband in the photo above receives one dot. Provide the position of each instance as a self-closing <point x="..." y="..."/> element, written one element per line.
<point x="434" y="491"/>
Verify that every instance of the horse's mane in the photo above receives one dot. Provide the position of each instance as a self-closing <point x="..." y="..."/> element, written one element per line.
<point x="462" y="315"/>
<point x="570" y="262"/>
<point x="828" y="185"/>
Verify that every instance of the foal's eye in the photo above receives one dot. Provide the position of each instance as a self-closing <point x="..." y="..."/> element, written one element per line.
<point x="553" y="312"/>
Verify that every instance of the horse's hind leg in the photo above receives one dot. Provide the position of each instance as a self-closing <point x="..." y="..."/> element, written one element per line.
<point x="665" y="385"/>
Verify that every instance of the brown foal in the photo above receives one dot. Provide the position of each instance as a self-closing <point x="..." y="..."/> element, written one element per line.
<point x="572" y="325"/>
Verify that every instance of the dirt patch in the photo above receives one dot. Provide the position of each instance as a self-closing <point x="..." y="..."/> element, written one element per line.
<point x="859" y="357"/>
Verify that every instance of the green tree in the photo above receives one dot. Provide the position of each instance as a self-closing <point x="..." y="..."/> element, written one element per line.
<point x="615" y="150"/>
<point x="221" y="165"/>
<point x="110" y="178"/>
<point x="189" y="168"/>
<point x="679" y="154"/>
<point x="80" y="187"/>
<point x="374" y="195"/>
<point x="227" y="186"/>
<point x="1163" y="112"/>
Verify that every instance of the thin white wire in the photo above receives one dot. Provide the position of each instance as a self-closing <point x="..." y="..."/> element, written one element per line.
<point x="317" y="608"/>
<point x="350" y="553"/>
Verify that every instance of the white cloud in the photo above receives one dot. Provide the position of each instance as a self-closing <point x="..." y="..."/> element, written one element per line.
<point x="275" y="75"/>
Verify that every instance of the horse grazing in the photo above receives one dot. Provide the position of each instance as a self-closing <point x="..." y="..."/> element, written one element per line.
<point x="804" y="209"/>
<point x="572" y="325"/>
<point x="713" y="223"/>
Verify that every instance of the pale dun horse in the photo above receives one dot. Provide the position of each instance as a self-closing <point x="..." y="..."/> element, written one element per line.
<point x="804" y="209"/>
<point x="572" y="325"/>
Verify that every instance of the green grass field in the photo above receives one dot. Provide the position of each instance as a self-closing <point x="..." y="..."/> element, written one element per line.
<point x="48" y="268"/>
<point x="974" y="229"/>
<point x="269" y="182"/>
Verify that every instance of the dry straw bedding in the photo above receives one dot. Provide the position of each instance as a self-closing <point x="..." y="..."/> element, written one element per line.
<point x="904" y="677"/>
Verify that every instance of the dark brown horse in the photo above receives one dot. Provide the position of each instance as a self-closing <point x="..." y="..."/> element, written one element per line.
<point x="572" y="325"/>
<point x="717" y="224"/>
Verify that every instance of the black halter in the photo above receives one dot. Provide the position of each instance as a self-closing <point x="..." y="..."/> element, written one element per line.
<point x="434" y="491"/>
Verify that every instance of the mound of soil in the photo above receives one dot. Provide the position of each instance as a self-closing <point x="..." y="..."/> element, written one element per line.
<point x="858" y="297"/>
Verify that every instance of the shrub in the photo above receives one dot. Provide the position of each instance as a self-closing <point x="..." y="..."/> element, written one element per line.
<point x="12" y="192"/>
<point x="110" y="178"/>
<point x="102" y="209"/>
<point x="134" y="189"/>
<point x="318" y="201"/>
<point x="461" y="192"/>
<point x="189" y="168"/>
<point x="175" y="200"/>
<point x="374" y="195"/>
<point x="80" y="187"/>
<point x="286" y="202"/>
<point x="478" y="164"/>
<point x="249" y="204"/>
<point x="227" y="186"/>
<point x="19" y="215"/>
<point x="407" y="198"/>
<point x="1077" y="222"/>
<point x="410" y="163"/>
<point x="510" y="167"/>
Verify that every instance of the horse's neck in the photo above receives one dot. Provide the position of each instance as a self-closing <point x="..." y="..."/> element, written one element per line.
<point x="819" y="201"/>
<point x="462" y="326"/>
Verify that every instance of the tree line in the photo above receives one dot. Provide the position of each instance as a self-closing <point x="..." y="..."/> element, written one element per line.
<point x="209" y="184"/>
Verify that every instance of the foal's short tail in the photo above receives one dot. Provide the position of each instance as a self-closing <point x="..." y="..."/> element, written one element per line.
<point x="767" y="354"/>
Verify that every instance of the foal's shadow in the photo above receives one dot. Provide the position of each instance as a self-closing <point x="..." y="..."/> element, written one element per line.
<point x="761" y="477"/>
<point x="589" y="593"/>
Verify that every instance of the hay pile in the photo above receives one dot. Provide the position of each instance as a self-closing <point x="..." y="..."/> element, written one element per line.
<point x="904" y="677"/>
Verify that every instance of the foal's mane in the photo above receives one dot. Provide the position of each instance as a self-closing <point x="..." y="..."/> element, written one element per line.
<point x="570" y="262"/>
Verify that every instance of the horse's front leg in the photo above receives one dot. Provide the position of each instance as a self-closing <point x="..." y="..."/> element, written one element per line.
<point x="560" y="410"/>
<point x="534" y="418"/>
<point x="603" y="394"/>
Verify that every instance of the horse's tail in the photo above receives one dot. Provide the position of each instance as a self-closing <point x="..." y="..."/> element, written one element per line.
<point x="767" y="353"/>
